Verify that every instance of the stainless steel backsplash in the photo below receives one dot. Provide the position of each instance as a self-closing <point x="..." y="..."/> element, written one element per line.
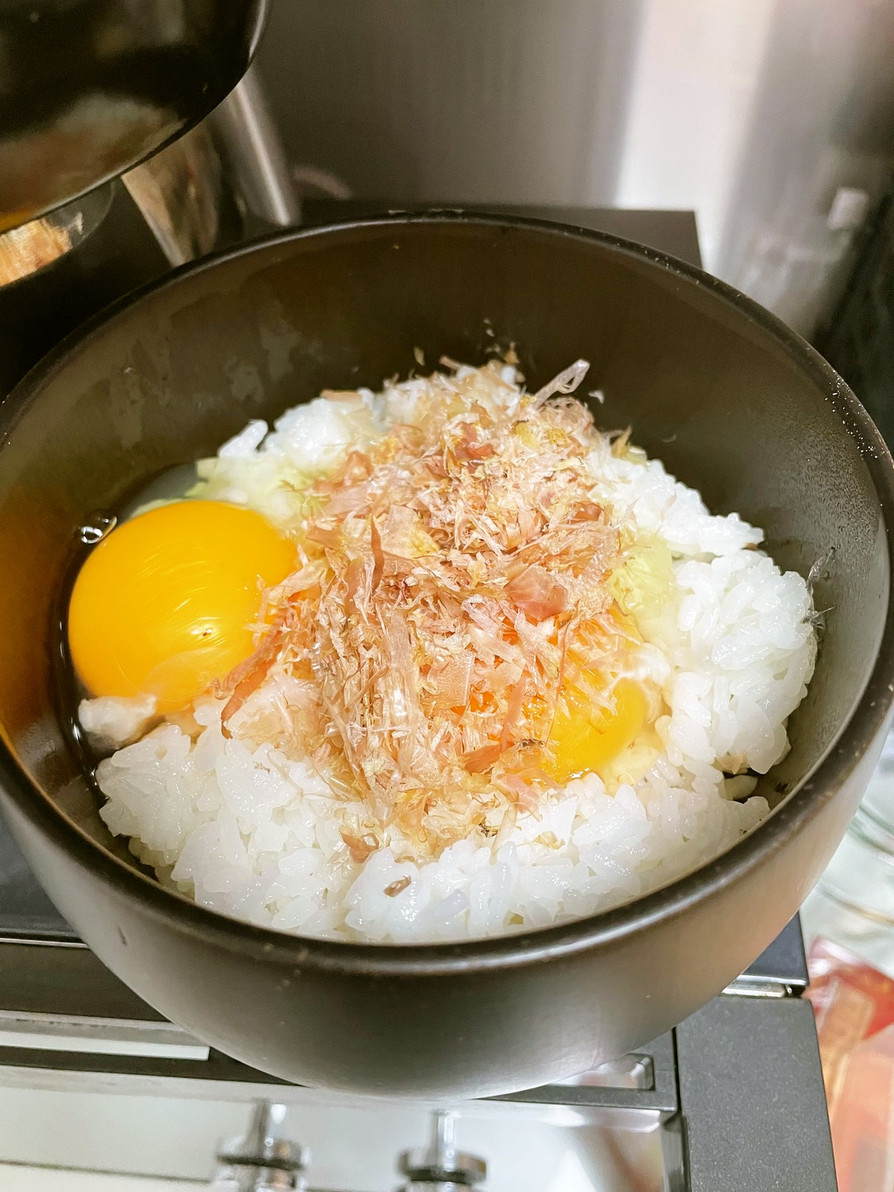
<point x="772" y="119"/>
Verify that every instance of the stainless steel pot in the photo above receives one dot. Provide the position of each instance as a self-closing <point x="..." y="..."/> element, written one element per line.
<point x="727" y="396"/>
<point x="89" y="88"/>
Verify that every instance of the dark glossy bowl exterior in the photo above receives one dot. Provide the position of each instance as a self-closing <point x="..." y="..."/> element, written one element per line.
<point x="731" y="400"/>
<point x="89" y="88"/>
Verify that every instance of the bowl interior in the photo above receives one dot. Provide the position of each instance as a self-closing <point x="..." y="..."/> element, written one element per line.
<point x="732" y="407"/>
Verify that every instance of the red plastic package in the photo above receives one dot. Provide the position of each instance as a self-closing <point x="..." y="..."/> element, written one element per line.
<point x="854" y="1007"/>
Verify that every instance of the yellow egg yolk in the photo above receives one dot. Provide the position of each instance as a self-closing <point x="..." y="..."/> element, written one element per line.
<point x="599" y="716"/>
<point x="166" y="602"/>
<point x="586" y="737"/>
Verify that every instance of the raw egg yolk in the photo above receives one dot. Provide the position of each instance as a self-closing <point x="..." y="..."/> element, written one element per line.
<point x="167" y="601"/>
<point x="586" y="737"/>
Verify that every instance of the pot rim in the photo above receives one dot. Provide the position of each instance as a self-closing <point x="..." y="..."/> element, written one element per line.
<point x="865" y="722"/>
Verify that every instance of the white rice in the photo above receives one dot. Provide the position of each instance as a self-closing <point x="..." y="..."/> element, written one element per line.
<point x="252" y="834"/>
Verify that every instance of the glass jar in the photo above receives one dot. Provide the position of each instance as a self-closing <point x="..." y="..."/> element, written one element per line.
<point x="853" y="903"/>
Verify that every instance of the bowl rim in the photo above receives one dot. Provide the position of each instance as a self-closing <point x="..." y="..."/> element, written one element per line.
<point x="867" y="718"/>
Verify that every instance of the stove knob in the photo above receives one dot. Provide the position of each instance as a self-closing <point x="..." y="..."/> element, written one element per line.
<point x="441" y="1167"/>
<point x="261" y="1161"/>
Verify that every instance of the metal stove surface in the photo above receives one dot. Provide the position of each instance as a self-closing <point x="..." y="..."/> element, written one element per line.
<point x="735" y="1092"/>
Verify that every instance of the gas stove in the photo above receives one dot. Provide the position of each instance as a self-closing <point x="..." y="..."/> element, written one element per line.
<point x="732" y="1098"/>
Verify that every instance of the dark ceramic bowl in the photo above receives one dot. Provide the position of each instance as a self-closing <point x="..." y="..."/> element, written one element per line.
<point x="731" y="400"/>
